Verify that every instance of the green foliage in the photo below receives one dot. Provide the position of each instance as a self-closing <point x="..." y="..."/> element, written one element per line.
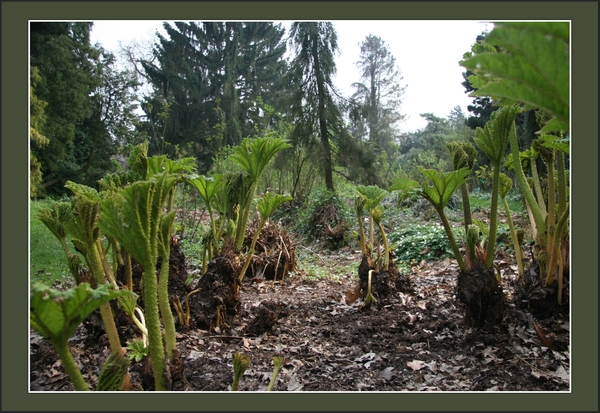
<point x="113" y="373"/>
<point x="421" y="242"/>
<point x="492" y="140"/>
<point x="494" y="137"/>
<point x="83" y="107"/>
<point x="253" y="156"/>
<point x="317" y="199"/>
<point x="378" y="95"/>
<point x="56" y="314"/>
<point x="134" y="217"/>
<point x="137" y="350"/>
<point x="240" y="363"/>
<point x="534" y="70"/>
<point x="314" y="109"/>
<point x="269" y="203"/>
<point x="441" y="186"/>
<point x="463" y="154"/>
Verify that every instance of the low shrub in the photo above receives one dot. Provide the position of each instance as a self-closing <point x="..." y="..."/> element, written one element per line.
<point x="421" y="242"/>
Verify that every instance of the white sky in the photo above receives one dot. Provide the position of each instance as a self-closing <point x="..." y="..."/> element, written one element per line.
<point x="427" y="53"/>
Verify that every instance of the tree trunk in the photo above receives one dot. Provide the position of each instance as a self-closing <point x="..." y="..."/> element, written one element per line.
<point x="322" y="121"/>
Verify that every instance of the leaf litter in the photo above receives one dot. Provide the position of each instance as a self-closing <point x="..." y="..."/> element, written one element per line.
<point x="331" y="341"/>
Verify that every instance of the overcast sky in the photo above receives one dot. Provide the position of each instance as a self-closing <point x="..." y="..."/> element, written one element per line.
<point x="427" y="54"/>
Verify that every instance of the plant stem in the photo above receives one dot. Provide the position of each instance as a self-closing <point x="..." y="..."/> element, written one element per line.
<point x="491" y="246"/>
<point x="513" y="235"/>
<point x="451" y="239"/>
<point x="277" y="363"/>
<point x="551" y="224"/>
<point x="538" y="188"/>
<point x="464" y="190"/>
<point x="525" y="188"/>
<point x="386" y="248"/>
<point x="155" y="343"/>
<point x="243" y="218"/>
<point x="165" y="307"/>
<point x="105" y="310"/>
<point x="66" y="358"/>
<point x="251" y="250"/>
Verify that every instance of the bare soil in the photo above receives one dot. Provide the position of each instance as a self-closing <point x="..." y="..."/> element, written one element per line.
<point x="410" y="340"/>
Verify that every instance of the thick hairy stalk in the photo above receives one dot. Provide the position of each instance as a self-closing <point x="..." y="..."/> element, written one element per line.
<point x="108" y="271"/>
<point x="155" y="342"/>
<point x="491" y="246"/>
<point x="561" y="181"/>
<point x="105" y="310"/>
<point x="515" y="238"/>
<point x="66" y="358"/>
<point x="524" y="186"/>
<point x="556" y="257"/>
<point x="464" y="155"/>
<point x="541" y="201"/>
<point x="551" y="222"/>
<point x="165" y="309"/>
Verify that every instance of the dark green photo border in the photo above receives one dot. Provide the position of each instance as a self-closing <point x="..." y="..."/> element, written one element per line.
<point x="584" y="167"/>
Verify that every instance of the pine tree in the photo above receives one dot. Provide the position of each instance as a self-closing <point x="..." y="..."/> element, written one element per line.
<point x="378" y="94"/>
<point x="206" y="78"/>
<point x="313" y="108"/>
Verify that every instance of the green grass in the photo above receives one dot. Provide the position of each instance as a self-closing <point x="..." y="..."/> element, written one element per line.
<point x="318" y="268"/>
<point x="47" y="262"/>
<point x="482" y="201"/>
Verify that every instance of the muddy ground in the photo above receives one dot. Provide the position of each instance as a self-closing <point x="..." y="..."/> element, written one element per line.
<point x="409" y="341"/>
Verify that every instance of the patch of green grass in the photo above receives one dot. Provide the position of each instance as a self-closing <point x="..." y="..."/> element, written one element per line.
<point x="324" y="268"/>
<point x="47" y="261"/>
<point x="482" y="200"/>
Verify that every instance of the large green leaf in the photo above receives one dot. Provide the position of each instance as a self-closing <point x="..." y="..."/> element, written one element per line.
<point x="86" y="207"/>
<point x="55" y="217"/>
<point x="56" y="314"/>
<point x="407" y="188"/>
<point x="533" y="71"/>
<point x="373" y="195"/>
<point x="463" y="154"/>
<point x="554" y="142"/>
<point x="505" y="184"/>
<point x="118" y="180"/>
<point x="138" y="159"/>
<point x="269" y="203"/>
<point x="133" y="216"/>
<point x="208" y="187"/>
<point x="444" y="185"/>
<point x="495" y="135"/>
<point x="253" y="155"/>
